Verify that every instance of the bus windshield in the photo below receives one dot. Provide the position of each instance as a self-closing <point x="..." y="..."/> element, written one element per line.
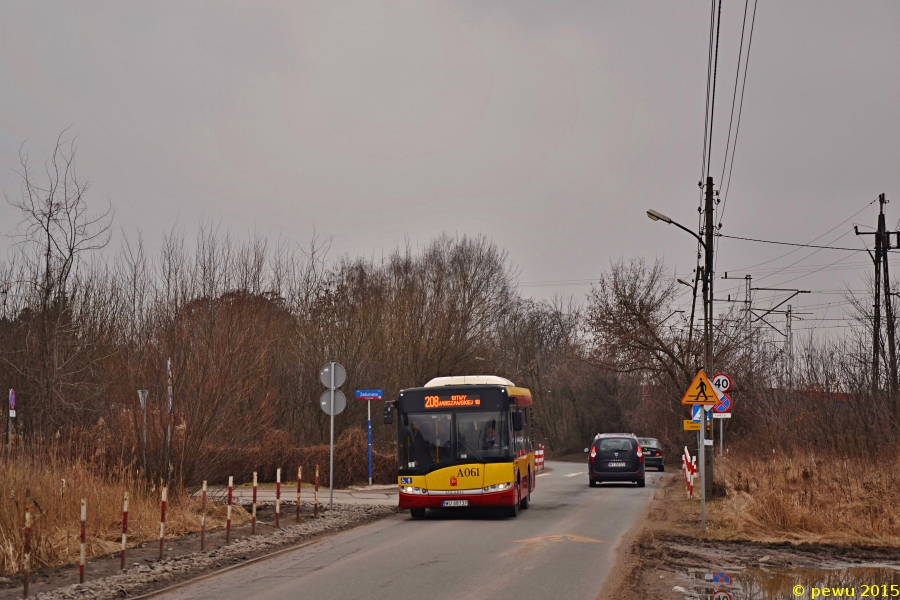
<point x="429" y="439"/>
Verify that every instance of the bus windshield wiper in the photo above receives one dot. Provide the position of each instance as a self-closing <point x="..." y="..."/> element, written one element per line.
<point x="475" y="454"/>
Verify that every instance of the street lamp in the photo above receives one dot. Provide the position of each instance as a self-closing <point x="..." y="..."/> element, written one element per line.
<point x="708" y="249"/>
<point x="707" y="326"/>
<point x="658" y="216"/>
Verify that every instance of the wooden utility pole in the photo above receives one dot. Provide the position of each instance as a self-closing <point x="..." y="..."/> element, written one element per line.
<point x="708" y="278"/>
<point x="888" y="305"/>
<point x="882" y="245"/>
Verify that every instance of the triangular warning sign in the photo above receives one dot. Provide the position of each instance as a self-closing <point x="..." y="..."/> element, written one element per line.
<point x="701" y="391"/>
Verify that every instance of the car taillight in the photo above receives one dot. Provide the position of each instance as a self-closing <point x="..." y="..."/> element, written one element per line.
<point x="658" y="453"/>
<point x="640" y="454"/>
<point x="593" y="452"/>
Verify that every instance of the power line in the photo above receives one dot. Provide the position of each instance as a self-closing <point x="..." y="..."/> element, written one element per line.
<point x="740" y="106"/>
<point x="812" y="240"/>
<point x="712" y="106"/>
<point x="737" y="74"/>
<point x="712" y="21"/>
<point x="735" y="237"/>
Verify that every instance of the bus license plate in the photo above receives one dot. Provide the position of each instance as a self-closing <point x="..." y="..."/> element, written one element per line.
<point x="455" y="503"/>
<point x="617" y="464"/>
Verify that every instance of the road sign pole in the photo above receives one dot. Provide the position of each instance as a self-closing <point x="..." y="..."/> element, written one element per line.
<point x="331" y="453"/>
<point x="12" y="414"/>
<point x="144" y="447"/>
<point x="701" y="451"/>
<point x="721" y="438"/>
<point x="369" y="432"/>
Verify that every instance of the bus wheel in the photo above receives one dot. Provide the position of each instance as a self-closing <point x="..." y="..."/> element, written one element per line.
<point x="417" y="513"/>
<point x="513" y="511"/>
<point x="527" y="499"/>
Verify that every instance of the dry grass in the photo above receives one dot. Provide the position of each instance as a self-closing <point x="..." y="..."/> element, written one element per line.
<point x="54" y="486"/>
<point x="813" y="499"/>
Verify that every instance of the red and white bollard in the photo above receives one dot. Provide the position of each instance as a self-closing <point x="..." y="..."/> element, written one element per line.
<point x="83" y="540"/>
<point x="124" y="531"/>
<point x="253" y="517"/>
<point x="26" y="563"/>
<point x="316" y="495"/>
<point x="299" y="483"/>
<point x="228" y="510"/>
<point x="277" y="498"/>
<point x="162" y="521"/>
<point x="203" y="517"/>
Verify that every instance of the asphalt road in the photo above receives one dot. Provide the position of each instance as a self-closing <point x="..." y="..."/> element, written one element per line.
<point x="560" y="548"/>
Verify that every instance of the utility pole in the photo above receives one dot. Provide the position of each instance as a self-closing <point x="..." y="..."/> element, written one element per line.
<point x="882" y="245"/>
<point x="876" y="328"/>
<point x="748" y="304"/>
<point x="789" y="341"/>
<point x="706" y="475"/>
<point x="888" y="305"/>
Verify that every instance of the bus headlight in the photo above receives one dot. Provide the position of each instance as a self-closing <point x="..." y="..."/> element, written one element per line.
<point x="413" y="490"/>
<point x="500" y="487"/>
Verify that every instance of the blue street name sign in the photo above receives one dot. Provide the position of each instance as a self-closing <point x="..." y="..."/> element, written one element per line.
<point x="370" y="394"/>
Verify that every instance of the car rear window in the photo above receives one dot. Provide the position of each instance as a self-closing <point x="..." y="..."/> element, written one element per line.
<point x="617" y="444"/>
<point x="650" y="442"/>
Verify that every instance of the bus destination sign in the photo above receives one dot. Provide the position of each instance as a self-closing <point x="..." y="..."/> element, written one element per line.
<point x="452" y="400"/>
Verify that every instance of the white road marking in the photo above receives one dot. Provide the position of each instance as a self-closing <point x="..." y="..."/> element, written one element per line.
<point x="575" y="474"/>
<point x="542" y="474"/>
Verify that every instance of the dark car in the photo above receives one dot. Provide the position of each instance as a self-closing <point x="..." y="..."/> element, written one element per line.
<point x="616" y="457"/>
<point x="653" y="453"/>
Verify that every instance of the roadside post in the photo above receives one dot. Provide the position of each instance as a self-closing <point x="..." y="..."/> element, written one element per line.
<point x="368" y="396"/>
<point x="227" y="512"/>
<point x="277" y="498"/>
<point x="299" y="485"/>
<point x="142" y="398"/>
<point x="722" y="383"/>
<point x="316" y="495"/>
<point x="162" y="521"/>
<point x="26" y="559"/>
<point x="124" y="531"/>
<point x="12" y="415"/>
<point x="253" y="506"/>
<point x="203" y="518"/>
<point x="702" y="392"/>
<point x="333" y="402"/>
<point x="81" y="557"/>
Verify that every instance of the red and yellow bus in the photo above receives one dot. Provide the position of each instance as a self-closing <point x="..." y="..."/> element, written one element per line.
<point x="463" y="442"/>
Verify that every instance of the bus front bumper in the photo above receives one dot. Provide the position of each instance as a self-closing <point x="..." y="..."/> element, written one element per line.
<point x="506" y="498"/>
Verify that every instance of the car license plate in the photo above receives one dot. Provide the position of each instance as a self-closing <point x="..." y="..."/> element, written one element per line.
<point x="455" y="503"/>
<point x="617" y="464"/>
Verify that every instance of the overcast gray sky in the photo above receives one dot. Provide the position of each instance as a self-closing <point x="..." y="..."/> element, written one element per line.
<point x="548" y="126"/>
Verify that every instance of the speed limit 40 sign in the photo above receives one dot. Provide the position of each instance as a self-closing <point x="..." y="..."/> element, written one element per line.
<point x="722" y="382"/>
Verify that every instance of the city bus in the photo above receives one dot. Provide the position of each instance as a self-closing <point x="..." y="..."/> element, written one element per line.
<point x="464" y="441"/>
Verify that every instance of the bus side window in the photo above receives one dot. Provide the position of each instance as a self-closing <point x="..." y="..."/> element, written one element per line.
<point x="526" y="432"/>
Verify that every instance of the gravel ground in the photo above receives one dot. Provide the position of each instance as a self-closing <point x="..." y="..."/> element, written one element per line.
<point x="138" y="580"/>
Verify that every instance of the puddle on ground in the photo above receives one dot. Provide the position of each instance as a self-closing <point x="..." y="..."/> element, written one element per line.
<point x="865" y="581"/>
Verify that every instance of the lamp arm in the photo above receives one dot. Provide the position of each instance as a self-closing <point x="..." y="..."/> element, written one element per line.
<point x="679" y="225"/>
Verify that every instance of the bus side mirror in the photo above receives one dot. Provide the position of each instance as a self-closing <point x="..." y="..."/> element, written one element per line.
<point x="518" y="421"/>
<point x="388" y="414"/>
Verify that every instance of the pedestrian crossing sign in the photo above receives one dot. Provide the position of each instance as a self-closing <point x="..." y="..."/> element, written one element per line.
<point x="702" y="391"/>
